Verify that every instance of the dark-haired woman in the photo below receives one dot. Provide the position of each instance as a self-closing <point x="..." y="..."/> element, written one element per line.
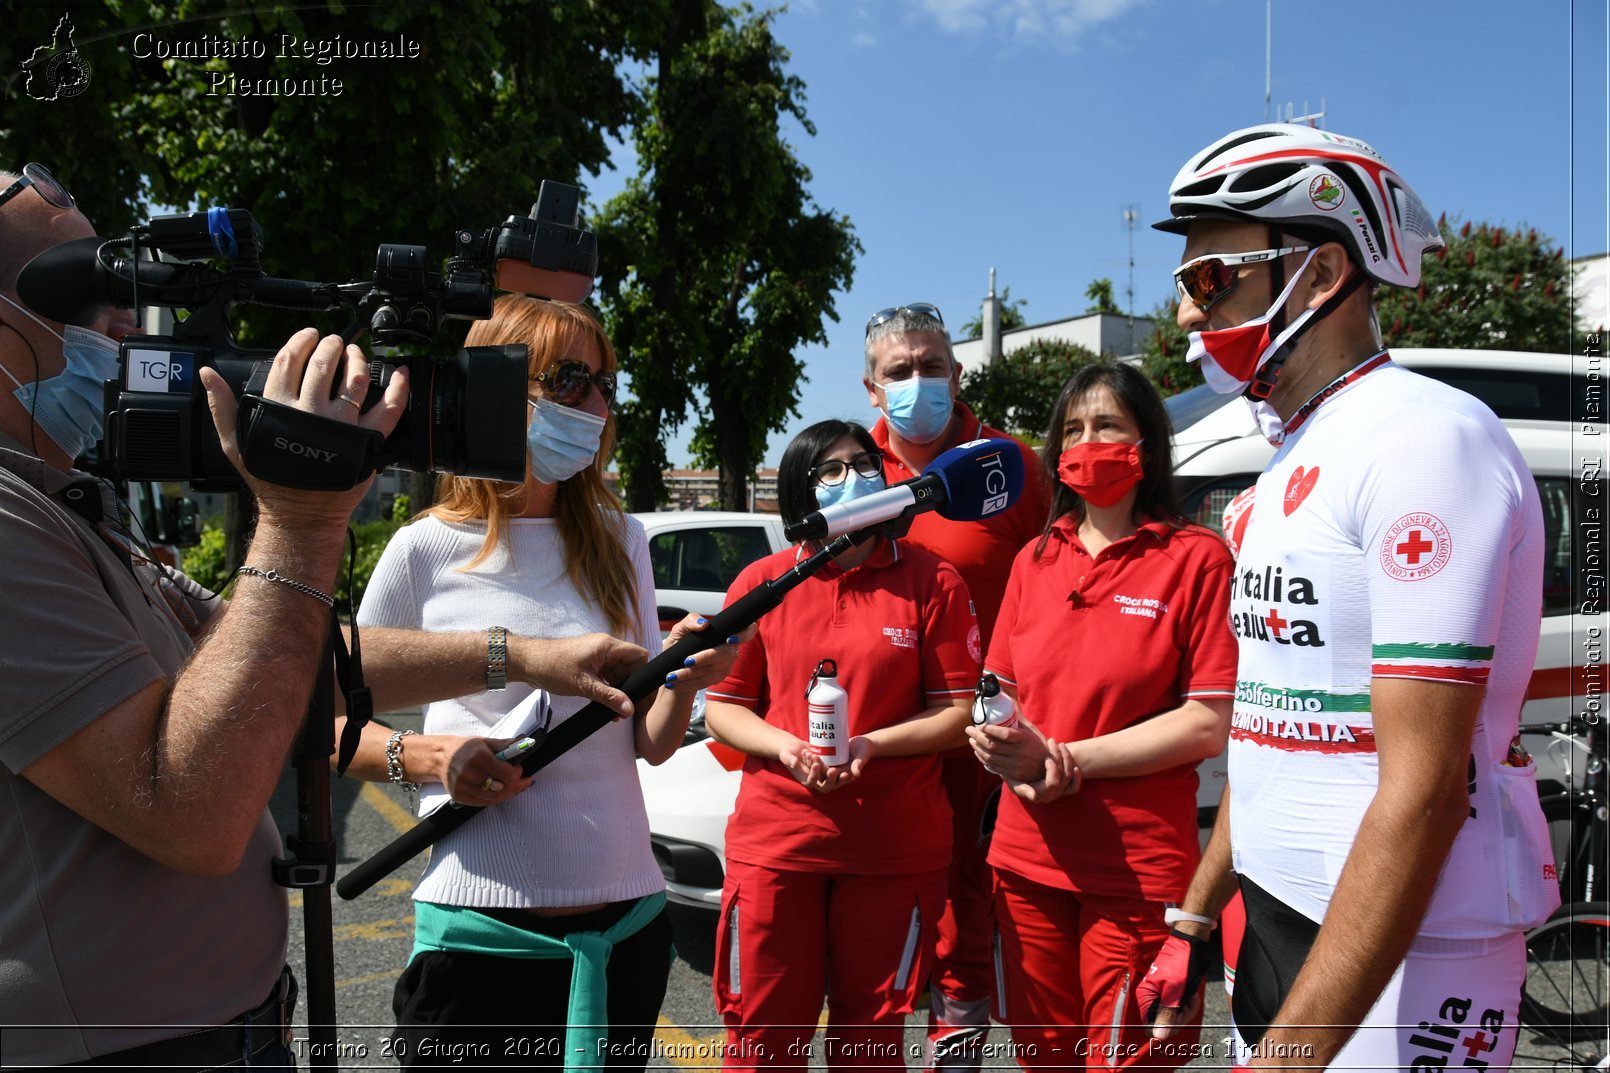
<point x="1114" y="639"/>
<point x="836" y="875"/>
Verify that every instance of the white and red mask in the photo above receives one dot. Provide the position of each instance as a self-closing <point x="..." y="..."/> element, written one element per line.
<point x="1231" y="357"/>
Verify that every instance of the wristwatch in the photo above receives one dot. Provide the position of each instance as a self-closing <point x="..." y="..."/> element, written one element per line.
<point x="497" y="657"/>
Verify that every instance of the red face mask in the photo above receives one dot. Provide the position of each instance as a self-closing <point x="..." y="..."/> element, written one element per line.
<point x="1100" y="473"/>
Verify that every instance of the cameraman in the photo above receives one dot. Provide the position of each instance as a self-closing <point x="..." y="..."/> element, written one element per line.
<point x="142" y="727"/>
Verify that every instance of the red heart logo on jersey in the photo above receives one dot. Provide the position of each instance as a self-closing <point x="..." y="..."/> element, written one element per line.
<point x="1302" y="482"/>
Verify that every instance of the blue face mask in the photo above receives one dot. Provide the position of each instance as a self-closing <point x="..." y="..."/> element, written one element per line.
<point x="851" y="488"/>
<point x="918" y="408"/>
<point x="69" y="406"/>
<point x="561" y="440"/>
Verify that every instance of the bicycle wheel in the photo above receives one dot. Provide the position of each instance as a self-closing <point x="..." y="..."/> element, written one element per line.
<point x="1564" y="1003"/>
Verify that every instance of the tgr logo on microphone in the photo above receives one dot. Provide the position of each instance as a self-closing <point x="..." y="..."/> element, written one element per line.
<point x="997" y="497"/>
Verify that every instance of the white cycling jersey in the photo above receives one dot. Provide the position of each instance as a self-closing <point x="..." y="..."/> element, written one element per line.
<point x="1397" y="533"/>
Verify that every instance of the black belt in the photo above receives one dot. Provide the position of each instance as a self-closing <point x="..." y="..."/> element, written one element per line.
<point x="208" y="1048"/>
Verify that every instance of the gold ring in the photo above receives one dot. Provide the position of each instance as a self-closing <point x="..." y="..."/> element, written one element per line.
<point x="347" y="398"/>
<point x="487" y="783"/>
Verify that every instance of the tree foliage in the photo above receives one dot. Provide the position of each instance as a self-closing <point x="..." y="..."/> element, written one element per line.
<point x="1011" y="316"/>
<point x="1100" y="294"/>
<point x="1163" y="353"/>
<point x="1016" y="392"/>
<point x="1492" y="288"/>
<point x="721" y="264"/>
<point x="502" y="94"/>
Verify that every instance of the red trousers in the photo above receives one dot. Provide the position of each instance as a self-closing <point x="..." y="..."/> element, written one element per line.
<point x="786" y="938"/>
<point x="963" y="979"/>
<point x="1069" y="964"/>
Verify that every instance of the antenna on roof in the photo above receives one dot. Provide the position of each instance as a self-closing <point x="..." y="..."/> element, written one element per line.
<point x="1311" y="118"/>
<point x="1131" y="212"/>
<point x="1268" y="36"/>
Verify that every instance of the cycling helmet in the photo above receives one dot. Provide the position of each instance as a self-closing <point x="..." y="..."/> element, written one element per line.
<point x="1309" y="181"/>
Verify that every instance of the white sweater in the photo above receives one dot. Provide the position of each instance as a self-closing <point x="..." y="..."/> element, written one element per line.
<point x="579" y="835"/>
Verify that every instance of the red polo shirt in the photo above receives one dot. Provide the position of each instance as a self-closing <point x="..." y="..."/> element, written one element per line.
<point x="899" y="627"/>
<point x="981" y="550"/>
<point x="1149" y="627"/>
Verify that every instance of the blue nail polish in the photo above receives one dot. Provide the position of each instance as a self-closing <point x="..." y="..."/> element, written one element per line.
<point x="733" y="639"/>
<point x="702" y="620"/>
<point x="670" y="681"/>
<point x="688" y="662"/>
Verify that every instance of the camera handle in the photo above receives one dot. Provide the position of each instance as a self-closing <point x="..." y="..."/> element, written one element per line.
<point x="639" y="684"/>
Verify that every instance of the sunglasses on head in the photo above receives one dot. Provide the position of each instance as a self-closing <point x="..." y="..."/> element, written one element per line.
<point x="883" y="316"/>
<point x="1207" y="279"/>
<point x="49" y="188"/>
<point x="567" y="382"/>
<point x="833" y="471"/>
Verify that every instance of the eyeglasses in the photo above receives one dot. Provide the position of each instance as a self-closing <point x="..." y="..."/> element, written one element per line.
<point x="567" y="383"/>
<point x="883" y="316"/>
<point x="833" y="471"/>
<point x="49" y="188"/>
<point x="1207" y="279"/>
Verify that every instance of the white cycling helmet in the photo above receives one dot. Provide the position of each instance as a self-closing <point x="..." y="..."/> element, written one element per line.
<point x="1309" y="180"/>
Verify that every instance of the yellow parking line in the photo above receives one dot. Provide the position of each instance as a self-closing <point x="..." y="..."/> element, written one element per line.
<point x="674" y="1044"/>
<point x="354" y="981"/>
<point x="395" y="928"/>
<point x="393" y="813"/>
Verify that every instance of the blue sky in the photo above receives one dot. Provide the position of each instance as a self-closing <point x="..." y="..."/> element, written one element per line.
<point x="960" y="135"/>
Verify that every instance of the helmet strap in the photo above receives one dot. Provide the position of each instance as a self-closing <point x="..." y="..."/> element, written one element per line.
<point x="1263" y="381"/>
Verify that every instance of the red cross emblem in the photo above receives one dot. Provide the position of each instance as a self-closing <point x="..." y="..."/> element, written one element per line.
<point x="1477" y="1043"/>
<point x="1415" y="547"/>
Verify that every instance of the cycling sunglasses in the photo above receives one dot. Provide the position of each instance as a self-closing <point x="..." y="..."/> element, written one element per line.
<point x="832" y="472"/>
<point x="883" y="316"/>
<point x="567" y="382"/>
<point x="1207" y="279"/>
<point x="49" y="187"/>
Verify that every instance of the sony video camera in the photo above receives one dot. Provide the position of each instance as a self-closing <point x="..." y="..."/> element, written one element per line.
<point x="466" y="414"/>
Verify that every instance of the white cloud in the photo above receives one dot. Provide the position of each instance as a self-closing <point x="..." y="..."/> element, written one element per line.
<point x="1062" y="20"/>
<point x="863" y="40"/>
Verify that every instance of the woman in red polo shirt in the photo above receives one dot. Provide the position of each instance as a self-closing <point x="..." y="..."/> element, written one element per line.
<point x="836" y="875"/>
<point x="1114" y="639"/>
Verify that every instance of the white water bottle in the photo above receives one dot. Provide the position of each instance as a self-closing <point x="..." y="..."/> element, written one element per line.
<point x="991" y="706"/>
<point x="827" y="708"/>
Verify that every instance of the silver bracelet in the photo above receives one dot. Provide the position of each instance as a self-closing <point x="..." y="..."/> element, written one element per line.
<point x="394" y="765"/>
<point x="272" y="574"/>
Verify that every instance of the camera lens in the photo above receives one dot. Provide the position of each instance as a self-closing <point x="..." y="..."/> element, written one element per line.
<point x="466" y="414"/>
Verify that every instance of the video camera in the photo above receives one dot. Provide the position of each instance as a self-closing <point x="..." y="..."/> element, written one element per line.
<point x="465" y="415"/>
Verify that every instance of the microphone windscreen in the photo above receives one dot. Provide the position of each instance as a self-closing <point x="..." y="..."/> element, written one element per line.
<point x="63" y="283"/>
<point x="981" y="478"/>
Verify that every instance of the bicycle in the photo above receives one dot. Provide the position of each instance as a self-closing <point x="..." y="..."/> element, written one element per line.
<point x="1564" y="1004"/>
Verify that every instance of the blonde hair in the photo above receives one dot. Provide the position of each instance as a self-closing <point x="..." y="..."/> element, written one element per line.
<point x="591" y="519"/>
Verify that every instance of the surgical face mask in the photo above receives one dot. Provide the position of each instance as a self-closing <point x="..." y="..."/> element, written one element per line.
<point x="918" y="408"/>
<point x="69" y="407"/>
<point x="1269" y="421"/>
<point x="851" y="488"/>
<point x="1101" y="473"/>
<point x="1231" y="357"/>
<point x="561" y="440"/>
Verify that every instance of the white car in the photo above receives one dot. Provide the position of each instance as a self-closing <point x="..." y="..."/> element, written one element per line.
<point x="1217" y="453"/>
<point x="696" y="555"/>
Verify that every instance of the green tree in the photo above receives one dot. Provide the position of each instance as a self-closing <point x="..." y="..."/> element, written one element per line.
<point x="1011" y="316"/>
<point x="1015" y="393"/>
<point x="1491" y="288"/>
<point x="723" y="264"/>
<point x="1163" y="353"/>
<point x="1100" y="294"/>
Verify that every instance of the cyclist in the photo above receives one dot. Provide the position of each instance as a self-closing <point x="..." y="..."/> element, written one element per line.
<point x="1384" y="829"/>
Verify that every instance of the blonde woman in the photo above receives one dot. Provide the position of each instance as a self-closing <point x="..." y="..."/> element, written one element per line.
<point x="557" y="881"/>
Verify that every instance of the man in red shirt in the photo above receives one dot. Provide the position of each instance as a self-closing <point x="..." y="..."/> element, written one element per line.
<point x="912" y="377"/>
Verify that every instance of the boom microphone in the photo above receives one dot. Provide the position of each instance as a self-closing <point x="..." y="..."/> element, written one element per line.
<point x="968" y="482"/>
